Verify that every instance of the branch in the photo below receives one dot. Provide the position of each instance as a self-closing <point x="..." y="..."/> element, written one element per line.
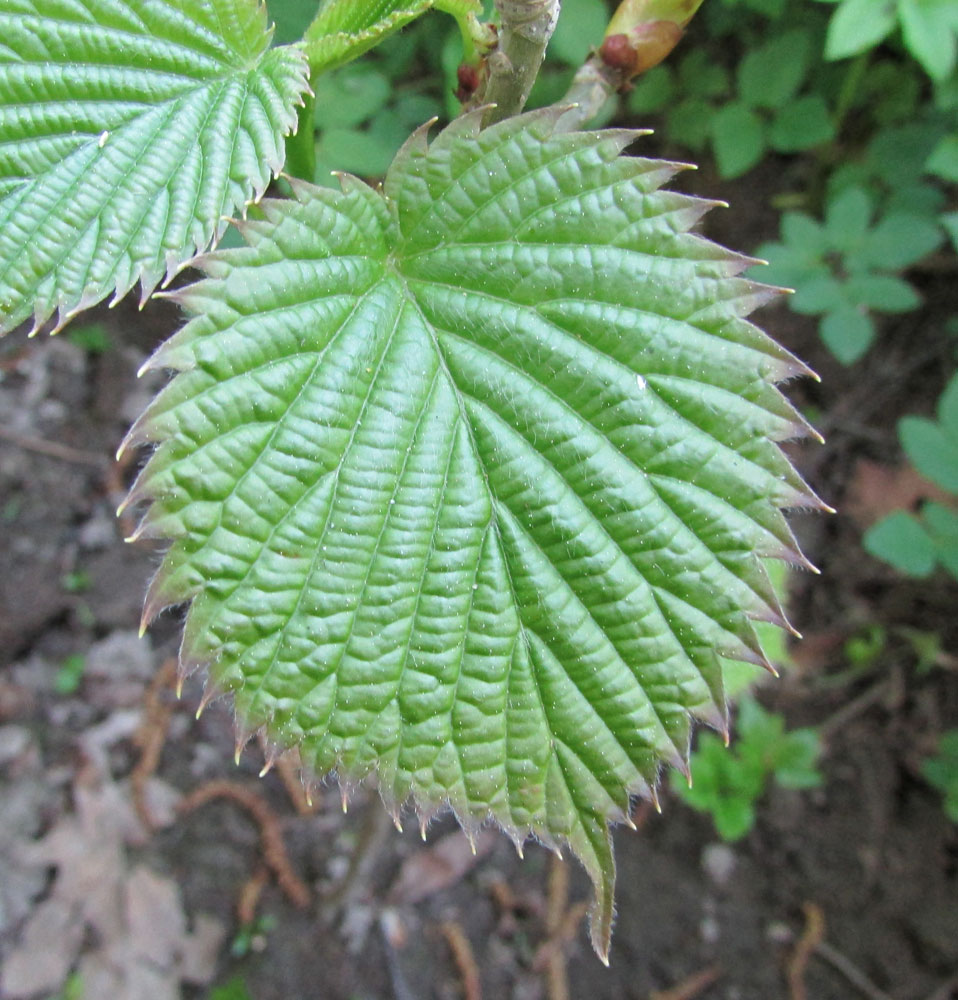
<point x="640" y="35"/>
<point x="524" y="33"/>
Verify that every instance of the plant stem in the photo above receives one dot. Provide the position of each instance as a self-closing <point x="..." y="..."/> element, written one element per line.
<point x="593" y="84"/>
<point x="525" y="30"/>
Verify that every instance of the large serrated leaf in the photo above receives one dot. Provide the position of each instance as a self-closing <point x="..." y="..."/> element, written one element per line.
<point x="469" y="480"/>
<point x="128" y="130"/>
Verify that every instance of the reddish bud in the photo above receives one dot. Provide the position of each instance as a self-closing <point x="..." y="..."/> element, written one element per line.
<point x="617" y="53"/>
<point x="468" y="78"/>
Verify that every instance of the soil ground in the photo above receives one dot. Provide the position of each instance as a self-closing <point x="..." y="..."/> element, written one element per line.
<point x="868" y="863"/>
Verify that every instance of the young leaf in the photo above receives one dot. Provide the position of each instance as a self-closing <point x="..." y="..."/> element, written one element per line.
<point x="858" y="25"/>
<point x="345" y="29"/>
<point x="127" y="133"/>
<point x="769" y="76"/>
<point x="469" y="480"/>
<point x="901" y="539"/>
<point x="848" y="332"/>
<point x="738" y="138"/>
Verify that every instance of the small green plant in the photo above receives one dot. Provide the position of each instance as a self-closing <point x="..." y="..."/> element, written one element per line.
<point x="768" y="110"/>
<point x="235" y="989"/>
<point x="70" y="674"/>
<point x="918" y="543"/>
<point x="941" y="771"/>
<point x="91" y="337"/>
<point x="253" y="936"/>
<point x="847" y="267"/>
<point x="76" y="581"/>
<point x="72" y="989"/>
<point x="928" y="30"/>
<point x="728" y="784"/>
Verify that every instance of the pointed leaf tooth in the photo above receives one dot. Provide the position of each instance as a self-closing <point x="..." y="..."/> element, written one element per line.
<point x="716" y="718"/>
<point x="210" y="693"/>
<point x="243" y="734"/>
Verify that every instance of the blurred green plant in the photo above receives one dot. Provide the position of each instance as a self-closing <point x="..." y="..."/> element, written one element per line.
<point x="916" y="544"/>
<point x="768" y="110"/>
<point x="941" y="771"/>
<point x="928" y="30"/>
<point x="235" y="989"/>
<point x="91" y="338"/>
<point x="70" y="674"/>
<point x="72" y="989"/>
<point x="728" y="783"/>
<point x="252" y="936"/>
<point x="848" y="267"/>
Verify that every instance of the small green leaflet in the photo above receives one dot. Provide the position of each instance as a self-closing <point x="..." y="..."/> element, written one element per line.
<point x="469" y="480"/>
<point x="345" y="29"/>
<point x="128" y="132"/>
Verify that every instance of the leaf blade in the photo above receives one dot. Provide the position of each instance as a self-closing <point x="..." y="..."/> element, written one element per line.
<point x="152" y="124"/>
<point x="458" y="499"/>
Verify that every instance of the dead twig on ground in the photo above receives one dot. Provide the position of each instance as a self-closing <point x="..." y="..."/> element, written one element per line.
<point x="463" y="957"/>
<point x="691" y="987"/>
<point x="562" y="922"/>
<point x="271" y="836"/>
<point x="844" y="965"/>
<point x="811" y="938"/>
<point x="151" y="737"/>
<point x="812" y="942"/>
<point x="250" y="894"/>
<point x="53" y="449"/>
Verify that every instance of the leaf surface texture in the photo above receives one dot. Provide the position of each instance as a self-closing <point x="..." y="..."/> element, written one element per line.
<point x="128" y="131"/>
<point x="469" y="480"/>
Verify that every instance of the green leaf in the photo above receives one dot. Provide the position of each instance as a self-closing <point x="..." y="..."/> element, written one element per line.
<point x="802" y="124"/>
<point x="350" y="96"/>
<point x="738" y="138"/>
<point x="769" y="76"/>
<point x="942" y="524"/>
<point x="943" y="161"/>
<point x="363" y="153"/>
<point x="848" y="332"/>
<point x="932" y="450"/>
<point x="690" y="123"/>
<point x="900" y="539"/>
<point x="847" y="216"/>
<point x="802" y="231"/>
<point x="859" y="25"/>
<point x="899" y="240"/>
<point x="345" y="29"/>
<point x="653" y="91"/>
<point x="701" y="76"/>
<point x="291" y="18"/>
<point x="469" y="480"/>
<point x="820" y="294"/>
<point x="928" y="28"/>
<point x="128" y="132"/>
<point x="580" y="28"/>
<point x="898" y="155"/>
<point x="881" y="292"/>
